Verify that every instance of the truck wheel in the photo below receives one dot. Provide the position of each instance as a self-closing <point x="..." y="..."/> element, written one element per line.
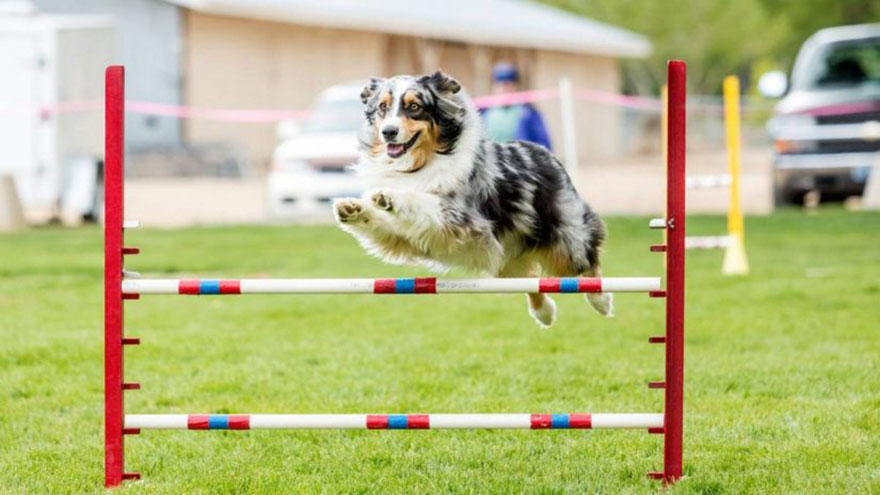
<point x="96" y="212"/>
<point x="782" y="196"/>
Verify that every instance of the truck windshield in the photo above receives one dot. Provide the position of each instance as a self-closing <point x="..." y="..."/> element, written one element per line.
<point x="845" y="64"/>
<point x="336" y="115"/>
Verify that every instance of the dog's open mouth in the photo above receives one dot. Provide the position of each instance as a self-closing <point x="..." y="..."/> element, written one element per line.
<point x="396" y="150"/>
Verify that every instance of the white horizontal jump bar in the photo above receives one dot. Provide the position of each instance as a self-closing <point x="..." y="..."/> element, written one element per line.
<point x="364" y="421"/>
<point x="371" y="286"/>
<point x="707" y="181"/>
<point x="707" y="242"/>
<point x="657" y="223"/>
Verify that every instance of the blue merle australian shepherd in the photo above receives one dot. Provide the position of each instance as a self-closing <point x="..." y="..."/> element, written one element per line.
<point x="441" y="194"/>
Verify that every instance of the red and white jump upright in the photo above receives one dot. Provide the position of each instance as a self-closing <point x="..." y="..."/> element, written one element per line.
<point x="673" y="414"/>
<point x="118" y="288"/>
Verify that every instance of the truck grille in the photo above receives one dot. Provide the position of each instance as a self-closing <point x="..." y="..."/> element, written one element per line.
<point x="848" y="118"/>
<point x="847" y="146"/>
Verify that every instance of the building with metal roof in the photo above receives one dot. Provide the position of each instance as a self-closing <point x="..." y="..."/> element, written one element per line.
<point x="280" y="54"/>
<point x="511" y="23"/>
<point x="286" y="51"/>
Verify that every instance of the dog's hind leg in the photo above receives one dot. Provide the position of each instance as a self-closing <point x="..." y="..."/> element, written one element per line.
<point x="541" y="306"/>
<point x="562" y="266"/>
<point x="602" y="302"/>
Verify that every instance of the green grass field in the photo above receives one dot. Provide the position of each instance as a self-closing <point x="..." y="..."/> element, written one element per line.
<point x="782" y="376"/>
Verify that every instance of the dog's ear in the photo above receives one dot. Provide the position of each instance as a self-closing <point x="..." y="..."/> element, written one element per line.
<point x="441" y="82"/>
<point x="370" y="88"/>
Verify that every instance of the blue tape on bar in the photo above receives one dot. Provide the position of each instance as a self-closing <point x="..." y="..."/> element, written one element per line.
<point x="218" y="422"/>
<point x="568" y="285"/>
<point x="560" y="421"/>
<point x="405" y="286"/>
<point x="209" y="287"/>
<point x="397" y="421"/>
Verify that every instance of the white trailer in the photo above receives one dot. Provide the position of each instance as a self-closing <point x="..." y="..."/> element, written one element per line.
<point x="50" y="123"/>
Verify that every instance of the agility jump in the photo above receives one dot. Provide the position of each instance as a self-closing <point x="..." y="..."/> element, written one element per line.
<point x="120" y="286"/>
<point x="426" y="285"/>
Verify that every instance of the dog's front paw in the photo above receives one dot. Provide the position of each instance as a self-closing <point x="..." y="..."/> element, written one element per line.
<point x="382" y="200"/>
<point x="348" y="210"/>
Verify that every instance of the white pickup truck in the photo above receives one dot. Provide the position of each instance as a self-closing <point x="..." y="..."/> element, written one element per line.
<point x="310" y="165"/>
<point x="826" y="129"/>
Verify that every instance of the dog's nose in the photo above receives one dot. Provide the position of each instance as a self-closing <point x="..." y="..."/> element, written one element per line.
<point x="390" y="132"/>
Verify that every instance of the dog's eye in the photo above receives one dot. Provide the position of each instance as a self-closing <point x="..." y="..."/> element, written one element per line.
<point x="412" y="107"/>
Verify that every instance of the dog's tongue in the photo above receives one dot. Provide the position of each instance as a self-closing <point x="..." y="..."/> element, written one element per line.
<point x="395" y="150"/>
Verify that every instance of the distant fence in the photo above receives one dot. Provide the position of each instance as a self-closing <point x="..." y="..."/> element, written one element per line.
<point x="700" y="103"/>
<point x="639" y="131"/>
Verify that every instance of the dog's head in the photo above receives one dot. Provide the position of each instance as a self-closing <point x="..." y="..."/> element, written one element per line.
<point x="410" y="119"/>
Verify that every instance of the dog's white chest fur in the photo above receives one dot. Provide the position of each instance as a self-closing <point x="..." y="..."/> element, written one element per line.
<point x="402" y="216"/>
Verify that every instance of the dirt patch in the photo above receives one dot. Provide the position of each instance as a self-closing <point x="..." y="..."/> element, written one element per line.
<point x="620" y="186"/>
<point x="636" y="185"/>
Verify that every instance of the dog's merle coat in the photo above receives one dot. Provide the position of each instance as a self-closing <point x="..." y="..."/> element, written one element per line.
<point x="442" y="194"/>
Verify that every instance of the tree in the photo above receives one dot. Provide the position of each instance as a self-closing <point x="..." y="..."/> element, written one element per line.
<point x="805" y="17"/>
<point x="718" y="37"/>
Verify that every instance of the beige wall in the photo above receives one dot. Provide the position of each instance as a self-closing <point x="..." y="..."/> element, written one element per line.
<point x="596" y="126"/>
<point x="237" y="63"/>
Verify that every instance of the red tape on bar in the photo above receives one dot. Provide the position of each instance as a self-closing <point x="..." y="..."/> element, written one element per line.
<point x="548" y="285"/>
<point x="197" y="422"/>
<point x="589" y="285"/>
<point x="427" y="285"/>
<point x="188" y="287"/>
<point x="580" y="420"/>
<point x="230" y="287"/>
<point x="239" y="422"/>
<point x="542" y="421"/>
<point x="384" y="286"/>
<point x="418" y="422"/>
<point x="377" y="421"/>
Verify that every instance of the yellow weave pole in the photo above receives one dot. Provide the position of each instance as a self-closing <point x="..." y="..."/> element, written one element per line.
<point x="664" y="133"/>
<point x="664" y="122"/>
<point x="735" y="262"/>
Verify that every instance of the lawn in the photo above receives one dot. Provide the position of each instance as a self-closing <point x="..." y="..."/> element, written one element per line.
<point x="782" y="376"/>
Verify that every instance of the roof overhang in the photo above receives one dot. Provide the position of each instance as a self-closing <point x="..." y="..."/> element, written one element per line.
<point x="514" y="23"/>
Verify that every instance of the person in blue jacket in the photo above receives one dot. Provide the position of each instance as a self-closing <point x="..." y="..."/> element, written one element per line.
<point x="520" y="121"/>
